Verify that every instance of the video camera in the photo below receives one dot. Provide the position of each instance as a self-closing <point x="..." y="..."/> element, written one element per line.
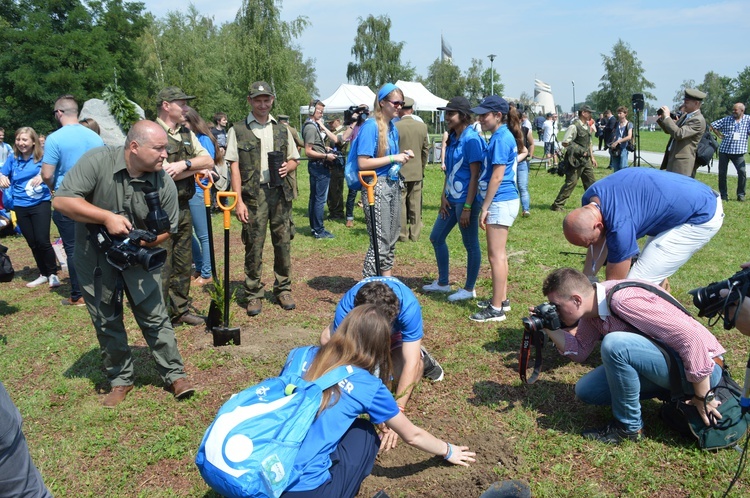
<point x="122" y="253"/>
<point x="362" y="111"/>
<point x="710" y="303"/>
<point x="542" y="317"/>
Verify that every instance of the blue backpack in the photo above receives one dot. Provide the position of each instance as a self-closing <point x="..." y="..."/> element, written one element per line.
<point x="250" y="448"/>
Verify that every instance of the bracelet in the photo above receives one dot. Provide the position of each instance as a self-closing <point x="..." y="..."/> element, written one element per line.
<point x="401" y="409"/>
<point x="449" y="452"/>
<point x="467" y="206"/>
<point x="390" y="158"/>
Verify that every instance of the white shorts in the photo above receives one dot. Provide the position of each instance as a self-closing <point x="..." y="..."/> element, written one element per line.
<point x="666" y="252"/>
<point x="503" y="213"/>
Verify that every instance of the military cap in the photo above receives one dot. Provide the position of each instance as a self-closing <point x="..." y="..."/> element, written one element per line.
<point x="584" y="108"/>
<point x="260" y="88"/>
<point x="283" y="117"/>
<point x="172" y="93"/>
<point x="408" y="103"/>
<point x="693" y="94"/>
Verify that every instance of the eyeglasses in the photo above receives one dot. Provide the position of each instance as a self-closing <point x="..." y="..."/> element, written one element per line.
<point x="61" y="111"/>
<point x="396" y="103"/>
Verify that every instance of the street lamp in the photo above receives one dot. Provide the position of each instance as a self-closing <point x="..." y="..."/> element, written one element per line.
<point x="492" y="74"/>
<point x="574" y="96"/>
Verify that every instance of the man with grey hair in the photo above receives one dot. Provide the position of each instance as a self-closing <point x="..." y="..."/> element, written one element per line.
<point x="107" y="187"/>
<point x="733" y="131"/>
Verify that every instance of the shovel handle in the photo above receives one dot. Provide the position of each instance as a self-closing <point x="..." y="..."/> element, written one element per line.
<point x="199" y="177"/>
<point x="369" y="186"/>
<point x="226" y="208"/>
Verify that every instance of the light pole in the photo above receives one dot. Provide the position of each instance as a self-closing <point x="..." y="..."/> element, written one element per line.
<point x="574" y="96"/>
<point x="492" y="74"/>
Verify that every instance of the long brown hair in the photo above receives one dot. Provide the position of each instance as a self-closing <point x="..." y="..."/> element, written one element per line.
<point x="383" y="124"/>
<point x="513" y="120"/>
<point x="199" y="127"/>
<point x="36" y="150"/>
<point x="363" y="340"/>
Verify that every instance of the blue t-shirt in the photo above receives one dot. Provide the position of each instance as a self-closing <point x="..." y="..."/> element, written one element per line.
<point x="366" y="143"/>
<point x="207" y="144"/>
<point x="409" y="320"/>
<point x="644" y="201"/>
<point x="21" y="171"/>
<point x="459" y="154"/>
<point x="65" y="147"/>
<point x="361" y="393"/>
<point x="502" y="150"/>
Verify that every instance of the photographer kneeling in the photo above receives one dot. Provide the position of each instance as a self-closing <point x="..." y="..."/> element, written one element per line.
<point x="633" y="366"/>
<point x="110" y="190"/>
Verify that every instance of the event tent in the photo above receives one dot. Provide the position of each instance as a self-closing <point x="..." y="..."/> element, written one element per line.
<point x="423" y="99"/>
<point x="344" y="97"/>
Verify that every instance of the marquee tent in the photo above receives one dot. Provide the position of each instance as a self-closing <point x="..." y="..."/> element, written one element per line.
<point x="344" y="97"/>
<point x="423" y="99"/>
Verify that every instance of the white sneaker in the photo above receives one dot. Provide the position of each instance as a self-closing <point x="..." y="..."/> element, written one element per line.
<point x="41" y="279"/>
<point x="53" y="281"/>
<point x="436" y="287"/>
<point x="462" y="294"/>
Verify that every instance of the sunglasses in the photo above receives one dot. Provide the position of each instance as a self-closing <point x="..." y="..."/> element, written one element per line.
<point x="396" y="103"/>
<point x="61" y="111"/>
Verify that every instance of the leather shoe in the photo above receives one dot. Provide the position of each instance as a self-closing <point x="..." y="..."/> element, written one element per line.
<point x="188" y="319"/>
<point x="116" y="396"/>
<point x="254" y="307"/>
<point x="181" y="388"/>
<point x="200" y="281"/>
<point x="349" y="223"/>
<point x="286" y="301"/>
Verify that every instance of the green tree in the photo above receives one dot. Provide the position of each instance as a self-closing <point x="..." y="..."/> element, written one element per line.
<point x="474" y="87"/>
<point x="444" y="79"/>
<point x="741" y="86"/>
<point x="623" y="76"/>
<point x="377" y="59"/>
<point x="718" y="101"/>
<point x="491" y="83"/>
<point x="680" y="94"/>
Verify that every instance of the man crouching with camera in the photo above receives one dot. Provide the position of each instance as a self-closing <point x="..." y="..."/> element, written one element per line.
<point x="626" y="318"/>
<point x="112" y="187"/>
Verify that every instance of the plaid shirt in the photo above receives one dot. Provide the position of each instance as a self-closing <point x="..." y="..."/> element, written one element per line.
<point x="728" y="126"/>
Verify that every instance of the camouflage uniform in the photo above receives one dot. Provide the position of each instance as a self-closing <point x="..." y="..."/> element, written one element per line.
<point x="579" y="166"/>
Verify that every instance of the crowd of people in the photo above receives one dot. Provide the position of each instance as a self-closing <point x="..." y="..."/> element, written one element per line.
<point x="378" y="324"/>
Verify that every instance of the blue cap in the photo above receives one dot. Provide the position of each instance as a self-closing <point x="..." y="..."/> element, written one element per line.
<point x="385" y="90"/>
<point x="493" y="103"/>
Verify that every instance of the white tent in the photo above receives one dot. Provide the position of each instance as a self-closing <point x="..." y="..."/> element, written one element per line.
<point x="344" y="97"/>
<point x="423" y="99"/>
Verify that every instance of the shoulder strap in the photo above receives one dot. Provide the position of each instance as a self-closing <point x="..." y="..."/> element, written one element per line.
<point x="334" y="376"/>
<point x="675" y="379"/>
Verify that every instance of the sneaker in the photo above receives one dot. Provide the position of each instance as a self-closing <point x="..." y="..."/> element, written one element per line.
<point x="488" y="314"/>
<point x="436" y="287"/>
<point x="462" y="294"/>
<point x="613" y="433"/>
<point x="41" y="279"/>
<point x="53" y="281"/>
<point x="325" y="234"/>
<point x="432" y="369"/>
<point x="486" y="303"/>
<point x="70" y="302"/>
<point x="526" y="214"/>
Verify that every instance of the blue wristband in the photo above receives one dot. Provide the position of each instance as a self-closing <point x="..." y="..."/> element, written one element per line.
<point x="450" y="452"/>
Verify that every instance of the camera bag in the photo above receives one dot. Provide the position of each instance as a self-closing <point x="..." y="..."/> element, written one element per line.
<point x="250" y="448"/>
<point x="682" y="417"/>
<point x="6" y="268"/>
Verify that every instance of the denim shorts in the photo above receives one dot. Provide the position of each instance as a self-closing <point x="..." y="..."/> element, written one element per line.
<point x="503" y="213"/>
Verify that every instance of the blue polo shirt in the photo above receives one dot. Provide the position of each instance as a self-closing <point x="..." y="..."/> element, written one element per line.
<point x="21" y="171"/>
<point x="642" y="201"/>
<point x="64" y="148"/>
<point x="409" y="320"/>
<point x="502" y="150"/>
<point x="366" y="143"/>
<point x="459" y="154"/>
<point x="361" y="393"/>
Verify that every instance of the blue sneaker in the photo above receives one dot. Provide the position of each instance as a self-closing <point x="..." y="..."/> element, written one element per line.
<point x="325" y="234"/>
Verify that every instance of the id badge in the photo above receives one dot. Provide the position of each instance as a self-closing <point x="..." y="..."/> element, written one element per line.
<point x="736" y="136"/>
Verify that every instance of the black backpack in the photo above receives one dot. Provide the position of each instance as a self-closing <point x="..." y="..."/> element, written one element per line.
<point x="707" y="147"/>
<point x="6" y="268"/>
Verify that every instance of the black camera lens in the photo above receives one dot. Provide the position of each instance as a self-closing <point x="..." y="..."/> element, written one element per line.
<point x="157" y="220"/>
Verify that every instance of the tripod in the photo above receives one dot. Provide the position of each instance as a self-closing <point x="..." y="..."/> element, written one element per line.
<point x="637" y="140"/>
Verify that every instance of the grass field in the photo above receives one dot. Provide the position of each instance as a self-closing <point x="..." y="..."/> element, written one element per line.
<point x="49" y="362"/>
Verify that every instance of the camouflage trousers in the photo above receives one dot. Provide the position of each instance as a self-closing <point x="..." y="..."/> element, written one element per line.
<point x="175" y="274"/>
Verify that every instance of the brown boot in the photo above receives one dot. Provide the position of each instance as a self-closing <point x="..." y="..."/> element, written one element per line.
<point x="181" y="388"/>
<point x="254" y="307"/>
<point x="116" y="396"/>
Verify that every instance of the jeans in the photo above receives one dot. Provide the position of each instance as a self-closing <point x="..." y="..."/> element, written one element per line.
<point x="320" y="176"/>
<point x="34" y="223"/>
<point x="351" y="196"/>
<point x="201" y="246"/>
<point x="522" y="174"/>
<point x="633" y="368"/>
<point x="470" y="237"/>
<point x="67" y="229"/>
<point x="739" y="163"/>
<point x="621" y="162"/>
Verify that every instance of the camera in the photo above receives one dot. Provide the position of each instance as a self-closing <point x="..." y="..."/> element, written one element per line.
<point x="122" y="253"/>
<point x="544" y="316"/>
<point x="361" y="111"/>
<point x="709" y="301"/>
<point x="672" y="115"/>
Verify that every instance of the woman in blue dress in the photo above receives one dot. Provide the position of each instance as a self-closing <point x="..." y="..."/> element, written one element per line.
<point x="340" y="449"/>
<point x="32" y="203"/>
<point x="464" y="154"/>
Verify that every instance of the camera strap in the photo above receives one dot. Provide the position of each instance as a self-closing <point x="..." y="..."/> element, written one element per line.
<point x="531" y="338"/>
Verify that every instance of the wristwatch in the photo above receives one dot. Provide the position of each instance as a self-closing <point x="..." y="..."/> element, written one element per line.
<point x="188" y="165"/>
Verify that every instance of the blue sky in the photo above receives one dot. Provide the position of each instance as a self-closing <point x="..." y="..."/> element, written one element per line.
<point x="555" y="41"/>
